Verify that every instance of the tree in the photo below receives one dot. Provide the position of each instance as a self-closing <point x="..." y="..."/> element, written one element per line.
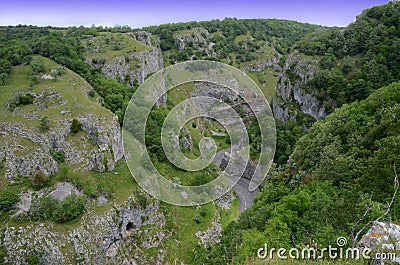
<point x="3" y="78"/>
<point x="44" y="125"/>
<point x="76" y="126"/>
<point x="7" y="199"/>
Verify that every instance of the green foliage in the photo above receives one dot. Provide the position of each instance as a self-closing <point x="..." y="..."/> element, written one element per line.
<point x="76" y="126"/>
<point x="38" y="67"/>
<point x="92" y="93"/>
<point x="359" y="59"/>
<point x="21" y="100"/>
<point x="44" y="125"/>
<point x="287" y="135"/>
<point x="334" y="170"/>
<point x="226" y="32"/>
<point x="5" y="66"/>
<point x="3" y="254"/>
<point x="33" y="260"/>
<point x="59" y="156"/>
<point x="343" y="147"/>
<point x="153" y="133"/>
<point x="7" y="199"/>
<point x="48" y="208"/>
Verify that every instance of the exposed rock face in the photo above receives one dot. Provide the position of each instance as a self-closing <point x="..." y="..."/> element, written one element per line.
<point x="294" y="74"/>
<point x="262" y="65"/>
<point x="63" y="190"/>
<point x="148" y="62"/>
<point x="194" y="36"/>
<point x="108" y="137"/>
<point x="208" y="89"/>
<point x="24" y="160"/>
<point x="99" y="239"/>
<point x="382" y="238"/>
<point x="225" y="201"/>
<point x="136" y="66"/>
<point x="142" y="36"/>
<point x="24" y="204"/>
<point x="212" y="235"/>
<point x="98" y="150"/>
<point x="186" y="140"/>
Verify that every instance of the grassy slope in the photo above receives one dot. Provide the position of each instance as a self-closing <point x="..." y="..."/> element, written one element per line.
<point x="72" y="90"/>
<point x="108" y="46"/>
<point x="118" y="183"/>
<point x="266" y="81"/>
<point x="181" y="219"/>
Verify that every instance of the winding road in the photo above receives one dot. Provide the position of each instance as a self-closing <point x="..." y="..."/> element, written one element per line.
<point x="241" y="189"/>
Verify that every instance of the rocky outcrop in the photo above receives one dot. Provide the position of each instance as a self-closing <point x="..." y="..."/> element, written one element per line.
<point x="291" y="96"/>
<point x="382" y="238"/>
<point x="142" y="36"/>
<point x="212" y="235"/>
<point x="99" y="239"/>
<point x="260" y="66"/>
<point x="107" y="135"/>
<point x="135" y="66"/>
<point x="24" y="160"/>
<point x="63" y="190"/>
<point x="28" y="151"/>
<point x="195" y="36"/>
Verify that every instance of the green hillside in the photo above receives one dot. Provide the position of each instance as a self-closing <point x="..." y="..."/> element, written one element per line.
<point x="68" y="197"/>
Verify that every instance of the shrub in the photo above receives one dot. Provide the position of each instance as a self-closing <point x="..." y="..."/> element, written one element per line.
<point x="76" y="126"/>
<point x="44" y="125"/>
<point x="48" y="208"/>
<point x="72" y="207"/>
<point x="21" y="100"/>
<point x="92" y="93"/>
<point x="39" y="179"/>
<point x="197" y="219"/>
<point x="38" y="67"/>
<point x="7" y="199"/>
<point x="59" y="156"/>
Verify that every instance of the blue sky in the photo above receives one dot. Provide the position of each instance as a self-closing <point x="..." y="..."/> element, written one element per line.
<point x="154" y="12"/>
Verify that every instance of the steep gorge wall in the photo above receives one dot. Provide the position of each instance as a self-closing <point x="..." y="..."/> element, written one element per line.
<point x="147" y="61"/>
<point x="290" y="94"/>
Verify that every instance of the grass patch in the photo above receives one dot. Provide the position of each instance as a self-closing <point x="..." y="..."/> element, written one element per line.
<point x="228" y="216"/>
<point x="267" y="81"/>
<point x="180" y="220"/>
<point x="111" y="45"/>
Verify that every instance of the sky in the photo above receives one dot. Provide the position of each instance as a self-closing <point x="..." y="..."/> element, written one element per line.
<point x="154" y="12"/>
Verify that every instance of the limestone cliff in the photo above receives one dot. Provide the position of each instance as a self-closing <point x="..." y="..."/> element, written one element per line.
<point x="291" y="95"/>
<point x="148" y="62"/>
<point x="128" y="64"/>
<point x="118" y="236"/>
<point x="194" y="37"/>
<point x="26" y="148"/>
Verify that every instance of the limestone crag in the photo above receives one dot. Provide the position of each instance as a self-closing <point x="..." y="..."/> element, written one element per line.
<point x="142" y="36"/>
<point x="260" y="66"/>
<point x="194" y="37"/>
<point x="136" y="66"/>
<point x="382" y="238"/>
<point x="24" y="160"/>
<point x="118" y="236"/>
<point x="28" y="151"/>
<point x="212" y="235"/>
<point x="295" y="72"/>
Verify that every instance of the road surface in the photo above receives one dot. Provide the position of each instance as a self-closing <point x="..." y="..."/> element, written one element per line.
<point x="241" y="189"/>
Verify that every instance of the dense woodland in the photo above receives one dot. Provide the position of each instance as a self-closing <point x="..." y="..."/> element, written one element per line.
<point x="324" y="175"/>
